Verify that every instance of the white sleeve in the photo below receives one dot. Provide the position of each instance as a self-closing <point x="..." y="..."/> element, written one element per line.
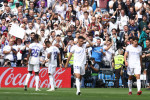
<point x="30" y="46"/>
<point x="42" y="49"/>
<point x="127" y="49"/>
<point x="140" y="51"/>
<point x="5" y="48"/>
<point x="58" y="50"/>
<point x="72" y="49"/>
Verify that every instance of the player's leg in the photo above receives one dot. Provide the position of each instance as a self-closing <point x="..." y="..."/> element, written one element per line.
<point x="77" y="72"/>
<point x="137" y="72"/>
<point x="51" y="71"/>
<point x="30" y="69"/>
<point x="36" y="70"/>
<point x="78" y="77"/>
<point x="130" y="72"/>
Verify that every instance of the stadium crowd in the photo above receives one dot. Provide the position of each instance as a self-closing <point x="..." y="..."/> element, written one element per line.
<point x="111" y="25"/>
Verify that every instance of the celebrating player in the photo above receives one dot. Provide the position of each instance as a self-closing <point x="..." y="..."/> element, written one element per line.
<point x="79" y="52"/>
<point x="33" y="59"/>
<point x="53" y="53"/>
<point x="133" y="61"/>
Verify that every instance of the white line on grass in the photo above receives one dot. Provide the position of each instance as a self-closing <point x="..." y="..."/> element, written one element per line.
<point x="23" y="93"/>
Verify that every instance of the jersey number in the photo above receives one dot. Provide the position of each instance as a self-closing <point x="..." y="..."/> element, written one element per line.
<point x="55" y="55"/>
<point x="35" y="52"/>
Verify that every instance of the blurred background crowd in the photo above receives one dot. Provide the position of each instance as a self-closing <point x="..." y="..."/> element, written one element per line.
<point x="110" y="24"/>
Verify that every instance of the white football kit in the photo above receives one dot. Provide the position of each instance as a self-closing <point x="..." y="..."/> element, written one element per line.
<point x="134" y="65"/>
<point x="54" y="51"/>
<point x="79" y="59"/>
<point x="34" y="59"/>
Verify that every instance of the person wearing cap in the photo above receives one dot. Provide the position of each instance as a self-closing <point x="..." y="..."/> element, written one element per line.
<point x="15" y="9"/>
<point x="117" y="64"/>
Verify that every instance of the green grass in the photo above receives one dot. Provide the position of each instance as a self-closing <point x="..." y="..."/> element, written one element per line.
<point x="69" y="94"/>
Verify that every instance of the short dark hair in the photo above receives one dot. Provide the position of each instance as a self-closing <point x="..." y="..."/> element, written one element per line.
<point x="86" y="12"/>
<point x="91" y="34"/>
<point x="81" y="37"/>
<point x="130" y="38"/>
<point x="114" y="29"/>
<point x="135" y="38"/>
<point x="46" y="42"/>
<point x="36" y="36"/>
<point x="148" y="39"/>
<point x="42" y="30"/>
<point x="32" y="33"/>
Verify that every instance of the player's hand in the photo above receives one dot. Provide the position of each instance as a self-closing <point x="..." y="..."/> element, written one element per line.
<point x="66" y="66"/>
<point x="60" y="65"/>
<point x="126" y="64"/>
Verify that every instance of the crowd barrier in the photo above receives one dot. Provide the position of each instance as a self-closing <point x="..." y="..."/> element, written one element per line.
<point x="15" y="77"/>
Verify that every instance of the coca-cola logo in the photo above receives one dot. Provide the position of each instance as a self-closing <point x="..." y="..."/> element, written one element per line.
<point x="15" y="77"/>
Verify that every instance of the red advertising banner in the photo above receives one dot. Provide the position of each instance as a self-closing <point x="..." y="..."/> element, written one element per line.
<point x="15" y="77"/>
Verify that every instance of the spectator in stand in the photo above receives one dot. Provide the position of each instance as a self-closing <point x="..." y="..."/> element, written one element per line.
<point x="9" y="51"/>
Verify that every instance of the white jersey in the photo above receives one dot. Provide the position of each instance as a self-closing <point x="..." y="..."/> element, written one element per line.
<point x="79" y="55"/>
<point x="54" y="51"/>
<point x="134" y="54"/>
<point x="36" y="48"/>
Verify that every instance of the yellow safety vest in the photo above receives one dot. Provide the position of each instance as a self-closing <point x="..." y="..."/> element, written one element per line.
<point x="118" y="60"/>
<point x="71" y="60"/>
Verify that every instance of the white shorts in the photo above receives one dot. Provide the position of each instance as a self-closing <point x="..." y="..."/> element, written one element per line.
<point x="79" y="69"/>
<point x="51" y="70"/>
<point x="132" y="71"/>
<point x="35" y="67"/>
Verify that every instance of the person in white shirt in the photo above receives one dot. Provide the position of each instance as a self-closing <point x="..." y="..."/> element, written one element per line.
<point x="52" y="54"/>
<point x="133" y="61"/>
<point x="79" y="52"/>
<point x="33" y="58"/>
<point x="9" y="51"/>
<point x="30" y="29"/>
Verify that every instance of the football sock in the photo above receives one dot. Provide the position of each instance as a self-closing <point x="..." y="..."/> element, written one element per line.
<point x="37" y="82"/>
<point x="138" y="84"/>
<point x="78" y="84"/>
<point x="51" y="81"/>
<point x="130" y="85"/>
<point x="27" y="78"/>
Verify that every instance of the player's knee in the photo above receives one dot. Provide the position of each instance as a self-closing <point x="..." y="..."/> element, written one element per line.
<point x="137" y="76"/>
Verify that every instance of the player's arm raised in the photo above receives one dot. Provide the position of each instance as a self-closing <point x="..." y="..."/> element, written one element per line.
<point x="69" y="57"/>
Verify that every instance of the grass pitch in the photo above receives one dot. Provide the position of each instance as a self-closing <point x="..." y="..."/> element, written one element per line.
<point x="69" y="94"/>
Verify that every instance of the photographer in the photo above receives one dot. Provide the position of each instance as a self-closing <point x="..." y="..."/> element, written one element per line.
<point x="94" y="68"/>
<point x="146" y="57"/>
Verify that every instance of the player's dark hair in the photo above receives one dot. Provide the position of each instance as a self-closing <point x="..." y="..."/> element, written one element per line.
<point x="47" y="42"/>
<point x="135" y="38"/>
<point x="32" y="33"/>
<point x="36" y="37"/>
<point x="81" y="37"/>
<point x="130" y="38"/>
<point x="91" y="34"/>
